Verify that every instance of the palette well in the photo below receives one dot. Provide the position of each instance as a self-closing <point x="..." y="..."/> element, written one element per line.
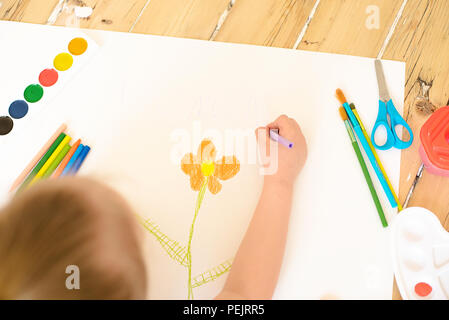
<point x="421" y="255"/>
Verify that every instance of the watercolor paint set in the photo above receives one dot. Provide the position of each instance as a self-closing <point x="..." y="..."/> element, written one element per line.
<point x="40" y="78"/>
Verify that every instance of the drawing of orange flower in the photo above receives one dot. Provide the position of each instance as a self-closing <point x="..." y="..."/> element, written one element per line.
<point x="203" y="166"/>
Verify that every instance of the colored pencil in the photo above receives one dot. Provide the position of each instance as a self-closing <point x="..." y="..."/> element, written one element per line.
<point x="66" y="160"/>
<point x="80" y="160"/>
<point x="356" y="126"/>
<point x="72" y="160"/>
<point x="37" y="157"/>
<point x="56" y="162"/>
<point x="47" y="164"/>
<point x="368" y="139"/>
<point x="43" y="160"/>
<point x="372" y="189"/>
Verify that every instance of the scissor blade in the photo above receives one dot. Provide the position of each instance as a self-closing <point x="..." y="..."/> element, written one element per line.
<point x="383" y="91"/>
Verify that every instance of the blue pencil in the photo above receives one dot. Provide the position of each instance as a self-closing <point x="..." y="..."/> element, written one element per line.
<point x="72" y="160"/>
<point x="80" y="160"/>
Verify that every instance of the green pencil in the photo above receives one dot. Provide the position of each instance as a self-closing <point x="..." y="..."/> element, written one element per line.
<point x="41" y="163"/>
<point x="56" y="162"/>
<point x="380" y="211"/>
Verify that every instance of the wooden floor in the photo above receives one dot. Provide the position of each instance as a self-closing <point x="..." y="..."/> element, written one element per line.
<point x="415" y="31"/>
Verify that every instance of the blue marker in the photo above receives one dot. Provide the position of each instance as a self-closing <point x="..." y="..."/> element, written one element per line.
<point x="80" y="160"/>
<point x="72" y="160"/>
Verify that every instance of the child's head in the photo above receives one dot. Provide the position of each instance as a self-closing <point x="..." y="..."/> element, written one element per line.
<point x="64" y="222"/>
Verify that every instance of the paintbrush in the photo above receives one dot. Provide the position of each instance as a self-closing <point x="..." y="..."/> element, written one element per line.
<point x="365" y="133"/>
<point x="358" y="130"/>
<point x="344" y="117"/>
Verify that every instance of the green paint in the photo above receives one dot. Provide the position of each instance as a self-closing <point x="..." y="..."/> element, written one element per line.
<point x="33" y="93"/>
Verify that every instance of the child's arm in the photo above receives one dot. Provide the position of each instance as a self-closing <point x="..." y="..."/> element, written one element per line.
<point x="256" y="267"/>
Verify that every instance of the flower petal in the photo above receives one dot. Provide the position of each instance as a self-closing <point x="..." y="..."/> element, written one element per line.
<point x="206" y="151"/>
<point x="214" y="185"/>
<point x="226" y="167"/>
<point x="189" y="163"/>
<point x="196" y="179"/>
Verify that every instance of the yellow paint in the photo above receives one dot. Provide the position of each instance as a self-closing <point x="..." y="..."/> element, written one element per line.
<point x="47" y="164"/>
<point x="203" y="167"/>
<point x="207" y="168"/>
<point x="77" y="46"/>
<point x="63" y="61"/>
<point x="214" y="185"/>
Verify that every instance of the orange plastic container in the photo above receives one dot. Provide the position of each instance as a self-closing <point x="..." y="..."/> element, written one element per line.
<point x="434" y="150"/>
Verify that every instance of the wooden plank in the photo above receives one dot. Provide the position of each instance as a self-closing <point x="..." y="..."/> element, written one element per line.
<point x="341" y="27"/>
<point x="31" y="11"/>
<point x="421" y="40"/>
<point x="116" y="15"/>
<point x="192" y="19"/>
<point x="345" y="27"/>
<point x="266" y="22"/>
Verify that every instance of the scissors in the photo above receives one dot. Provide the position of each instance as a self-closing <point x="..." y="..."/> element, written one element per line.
<point x="387" y="108"/>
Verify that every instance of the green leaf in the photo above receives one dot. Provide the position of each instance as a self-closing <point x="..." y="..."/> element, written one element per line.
<point x="176" y="251"/>
<point x="212" y="274"/>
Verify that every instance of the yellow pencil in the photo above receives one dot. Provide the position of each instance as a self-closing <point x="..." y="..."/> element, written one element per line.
<point x="50" y="160"/>
<point x="354" y="110"/>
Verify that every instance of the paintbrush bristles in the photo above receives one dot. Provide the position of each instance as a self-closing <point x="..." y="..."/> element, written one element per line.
<point x="340" y="96"/>
<point x="343" y="114"/>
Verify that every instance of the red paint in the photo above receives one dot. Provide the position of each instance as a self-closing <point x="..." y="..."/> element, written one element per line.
<point x="48" y="77"/>
<point x="423" y="289"/>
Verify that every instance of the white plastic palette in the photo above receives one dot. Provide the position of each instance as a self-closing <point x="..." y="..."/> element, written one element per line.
<point x="421" y="255"/>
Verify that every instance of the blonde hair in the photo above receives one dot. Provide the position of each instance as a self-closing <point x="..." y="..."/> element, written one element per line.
<point x="66" y="222"/>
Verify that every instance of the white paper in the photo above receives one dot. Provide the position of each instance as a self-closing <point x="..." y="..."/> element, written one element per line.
<point x="139" y="93"/>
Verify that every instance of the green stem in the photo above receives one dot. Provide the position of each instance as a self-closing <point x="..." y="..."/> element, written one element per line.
<point x="199" y="200"/>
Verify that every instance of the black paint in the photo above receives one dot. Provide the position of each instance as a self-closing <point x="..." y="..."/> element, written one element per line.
<point x="6" y="125"/>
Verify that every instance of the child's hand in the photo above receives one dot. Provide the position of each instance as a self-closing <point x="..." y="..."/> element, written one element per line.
<point x="290" y="161"/>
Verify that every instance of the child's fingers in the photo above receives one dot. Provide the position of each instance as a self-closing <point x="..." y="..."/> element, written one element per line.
<point x="263" y="144"/>
<point x="262" y="136"/>
<point x="280" y="122"/>
<point x="288" y="127"/>
<point x="259" y="131"/>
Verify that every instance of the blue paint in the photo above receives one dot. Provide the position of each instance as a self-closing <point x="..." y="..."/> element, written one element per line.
<point x="18" y="109"/>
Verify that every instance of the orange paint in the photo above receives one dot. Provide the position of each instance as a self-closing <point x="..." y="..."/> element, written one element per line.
<point x="226" y="167"/>
<point x="77" y="46"/>
<point x="214" y="185"/>
<point x="203" y="165"/>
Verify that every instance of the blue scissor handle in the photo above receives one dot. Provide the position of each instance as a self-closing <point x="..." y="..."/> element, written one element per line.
<point x="382" y="120"/>
<point x="397" y="120"/>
